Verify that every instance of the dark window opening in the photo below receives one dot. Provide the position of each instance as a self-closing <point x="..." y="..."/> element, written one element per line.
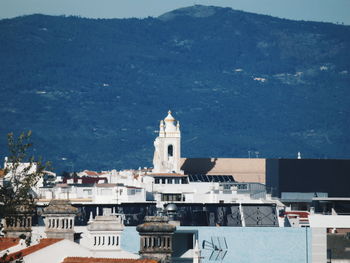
<point x="170" y="151"/>
<point x="171" y="197"/>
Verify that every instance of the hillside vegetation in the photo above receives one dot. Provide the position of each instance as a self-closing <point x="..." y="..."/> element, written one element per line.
<point x="93" y="91"/>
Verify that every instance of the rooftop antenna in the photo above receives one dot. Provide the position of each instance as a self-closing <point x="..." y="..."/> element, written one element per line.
<point x="218" y="247"/>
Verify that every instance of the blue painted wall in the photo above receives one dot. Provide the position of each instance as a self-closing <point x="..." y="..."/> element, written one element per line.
<point x="246" y="244"/>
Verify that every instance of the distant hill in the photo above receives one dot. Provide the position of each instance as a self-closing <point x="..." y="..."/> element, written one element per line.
<point x="93" y="90"/>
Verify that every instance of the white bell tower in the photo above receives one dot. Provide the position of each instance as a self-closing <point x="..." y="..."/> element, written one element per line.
<point x="167" y="151"/>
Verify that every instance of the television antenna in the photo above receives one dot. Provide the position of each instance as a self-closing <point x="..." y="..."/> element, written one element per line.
<point x="217" y="246"/>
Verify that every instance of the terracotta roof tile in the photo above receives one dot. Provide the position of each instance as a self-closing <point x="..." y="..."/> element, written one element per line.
<point x="94" y="173"/>
<point x="106" y="260"/>
<point x="2" y="172"/>
<point x="7" y="242"/>
<point x="45" y="242"/>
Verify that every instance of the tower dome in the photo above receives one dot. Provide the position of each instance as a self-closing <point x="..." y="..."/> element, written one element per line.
<point x="170" y="123"/>
<point x="169" y="118"/>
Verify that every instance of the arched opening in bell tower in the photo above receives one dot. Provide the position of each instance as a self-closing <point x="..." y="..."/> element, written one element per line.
<point x="170" y="151"/>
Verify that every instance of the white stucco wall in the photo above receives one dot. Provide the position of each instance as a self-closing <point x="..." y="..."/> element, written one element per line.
<point x="56" y="253"/>
<point x="329" y="221"/>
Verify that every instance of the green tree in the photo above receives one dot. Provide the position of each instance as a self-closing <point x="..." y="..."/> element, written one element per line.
<point x="21" y="173"/>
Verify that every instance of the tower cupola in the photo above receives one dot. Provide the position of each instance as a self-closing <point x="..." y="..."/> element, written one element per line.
<point x="156" y="238"/>
<point x="169" y="123"/>
<point x="59" y="219"/>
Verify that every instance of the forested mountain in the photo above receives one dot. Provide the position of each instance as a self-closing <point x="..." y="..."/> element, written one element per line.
<point x="93" y="90"/>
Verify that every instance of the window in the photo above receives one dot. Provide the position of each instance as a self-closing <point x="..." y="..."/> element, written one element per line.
<point x="157" y="181"/>
<point x="131" y="191"/>
<point x="242" y="186"/>
<point x="171" y="197"/>
<point x="227" y="187"/>
<point x="169" y="180"/>
<point x="177" y="180"/>
<point x="170" y="151"/>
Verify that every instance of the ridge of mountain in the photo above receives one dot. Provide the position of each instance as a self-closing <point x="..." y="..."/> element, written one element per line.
<point x="195" y="11"/>
<point x="93" y="90"/>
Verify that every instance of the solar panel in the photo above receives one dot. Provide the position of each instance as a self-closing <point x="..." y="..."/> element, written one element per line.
<point x="198" y="178"/>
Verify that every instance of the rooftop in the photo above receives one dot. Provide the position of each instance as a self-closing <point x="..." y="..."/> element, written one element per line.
<point x="7" y="242"/>
<point x="57" y="206"/>
<point x="93" y="173"/>
<point x="106" y="260"/>
<point x="167" y="175"/>
<point x="45" y="242"/>
<point x="85" y="180"/>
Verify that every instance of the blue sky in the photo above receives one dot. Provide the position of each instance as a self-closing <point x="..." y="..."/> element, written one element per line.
<point x="315" y="10"/>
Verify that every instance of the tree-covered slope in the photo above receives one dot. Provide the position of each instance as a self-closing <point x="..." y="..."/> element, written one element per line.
<point x="93" y="91"/>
